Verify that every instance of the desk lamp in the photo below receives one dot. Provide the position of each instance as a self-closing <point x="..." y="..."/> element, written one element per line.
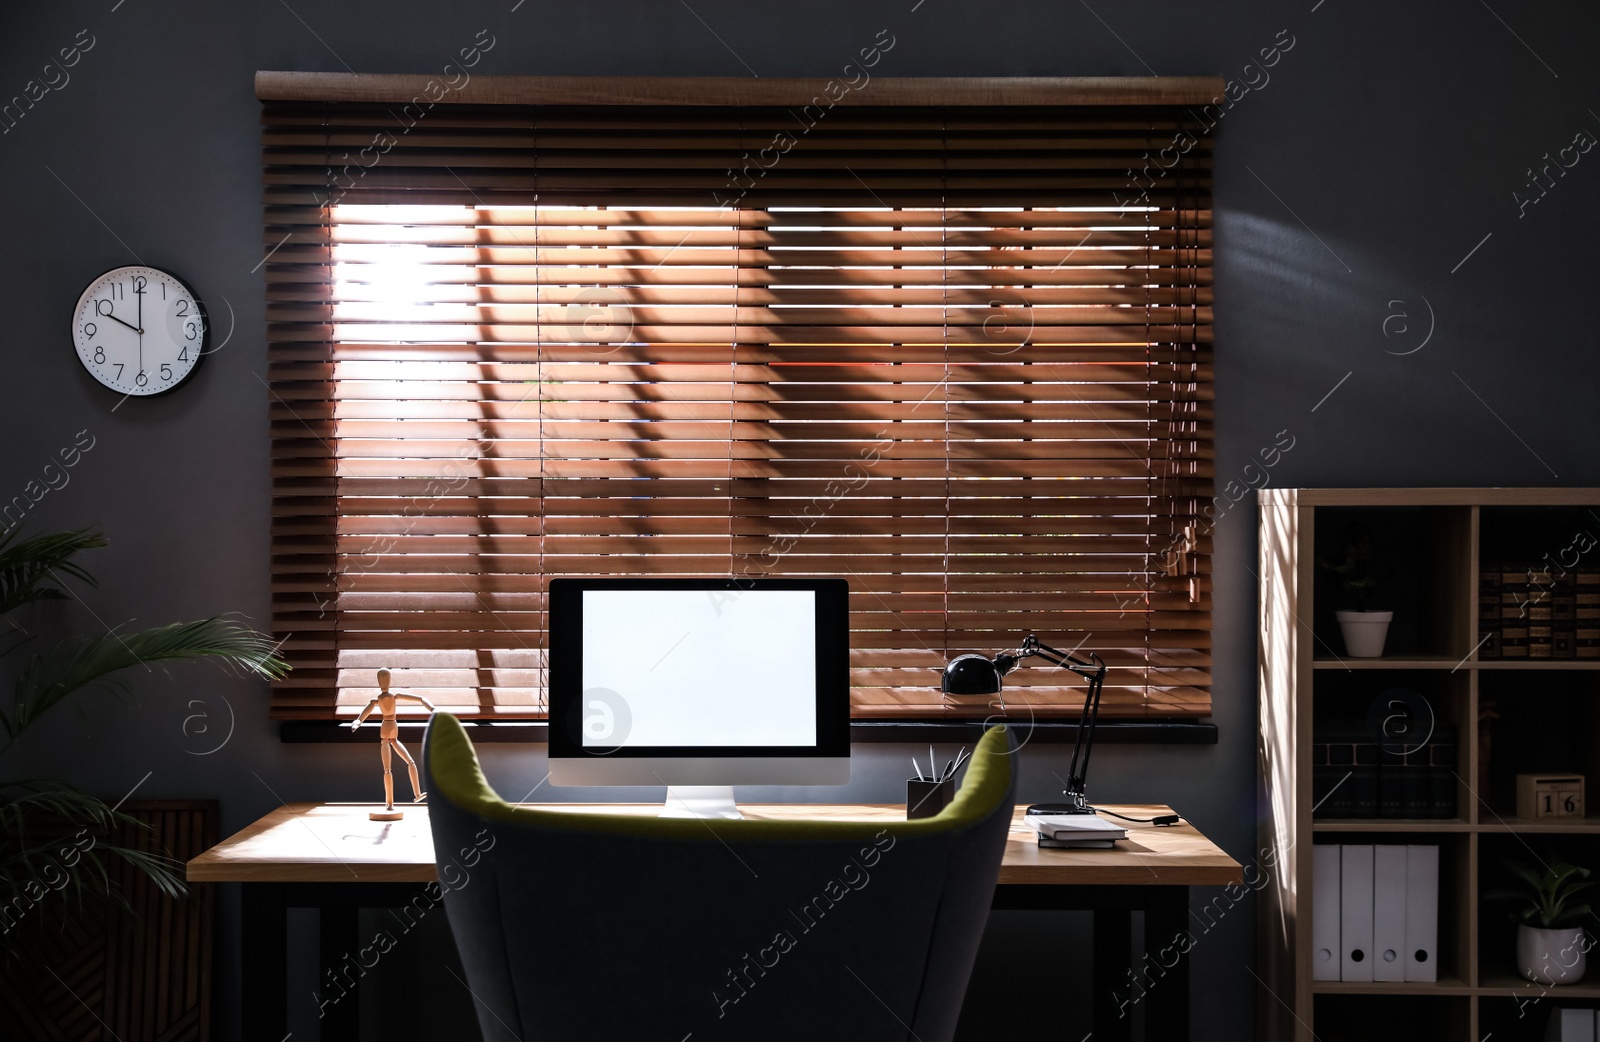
<point x="976" y="675"/>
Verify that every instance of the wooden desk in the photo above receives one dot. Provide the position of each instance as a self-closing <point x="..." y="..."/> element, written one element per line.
<point x="329" y="856"/>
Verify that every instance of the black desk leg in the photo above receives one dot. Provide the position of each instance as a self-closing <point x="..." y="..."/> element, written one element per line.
<point x="1166" y="928"/>
<point x="337" y="951"/>
<point x="263" y="961"/>
<point x="1114" y="995"/>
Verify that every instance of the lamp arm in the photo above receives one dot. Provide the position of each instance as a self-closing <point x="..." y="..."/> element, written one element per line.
<point x="1078" y="775"/>
<point x="1092" y="669"/>
<point x="1087" y="668"/>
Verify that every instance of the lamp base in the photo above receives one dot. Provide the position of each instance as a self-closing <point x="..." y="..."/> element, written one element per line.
<point x="1076" y="803"/>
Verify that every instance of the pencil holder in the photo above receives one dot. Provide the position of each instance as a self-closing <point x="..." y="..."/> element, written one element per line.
<point x="924" y="799"/>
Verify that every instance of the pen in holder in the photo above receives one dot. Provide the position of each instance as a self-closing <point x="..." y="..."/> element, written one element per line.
<point x="924" y="799"/>
<point x="929" y="793"/>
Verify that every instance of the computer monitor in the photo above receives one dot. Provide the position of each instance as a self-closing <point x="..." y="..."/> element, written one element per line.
<point x="697" y="683"/>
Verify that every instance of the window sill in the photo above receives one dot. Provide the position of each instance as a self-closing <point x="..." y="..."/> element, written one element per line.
<point x="1107" y="732"/>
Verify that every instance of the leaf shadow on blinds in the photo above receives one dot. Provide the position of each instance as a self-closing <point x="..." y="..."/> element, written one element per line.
<point x="961" y="357"/>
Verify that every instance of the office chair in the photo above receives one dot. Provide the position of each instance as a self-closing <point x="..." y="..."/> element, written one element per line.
<point x="581" y="927"/>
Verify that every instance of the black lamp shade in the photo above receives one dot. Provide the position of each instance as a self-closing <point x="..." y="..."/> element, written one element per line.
<point x="970" y="675"/>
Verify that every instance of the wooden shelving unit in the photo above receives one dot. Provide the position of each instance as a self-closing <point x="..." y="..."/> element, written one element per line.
<point x="1445" y="535"/>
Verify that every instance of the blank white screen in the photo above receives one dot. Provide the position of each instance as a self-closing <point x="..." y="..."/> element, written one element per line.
<point x="705" y="667"/>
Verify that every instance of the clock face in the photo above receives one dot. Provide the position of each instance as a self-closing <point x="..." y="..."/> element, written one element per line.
<point x="139" y="330"/>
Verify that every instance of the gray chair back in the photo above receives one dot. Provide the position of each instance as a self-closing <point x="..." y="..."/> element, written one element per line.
<point x="577" y="927"/>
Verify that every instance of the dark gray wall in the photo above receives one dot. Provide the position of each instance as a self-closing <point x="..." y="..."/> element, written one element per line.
<point x="1352" y="181"/>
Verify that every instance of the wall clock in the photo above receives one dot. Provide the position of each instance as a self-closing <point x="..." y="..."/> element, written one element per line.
<point x="139" y="330"/>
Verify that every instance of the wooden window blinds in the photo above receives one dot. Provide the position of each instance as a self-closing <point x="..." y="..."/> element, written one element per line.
<point x="959" y="353"/>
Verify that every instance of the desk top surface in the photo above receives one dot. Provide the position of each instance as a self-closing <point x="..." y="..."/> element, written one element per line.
<point x="335" y="842"/>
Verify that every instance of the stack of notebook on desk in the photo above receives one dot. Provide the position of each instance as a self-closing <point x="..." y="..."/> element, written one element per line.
<point x="1075" y="831"/>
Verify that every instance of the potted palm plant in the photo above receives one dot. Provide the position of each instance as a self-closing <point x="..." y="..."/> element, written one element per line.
<point x="1365" y="629"/>
<point x="1552" y="947"/>
<point x="34" y="864"/>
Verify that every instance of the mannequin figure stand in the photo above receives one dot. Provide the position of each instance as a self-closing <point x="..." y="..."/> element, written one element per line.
<point x="386" y="703"/>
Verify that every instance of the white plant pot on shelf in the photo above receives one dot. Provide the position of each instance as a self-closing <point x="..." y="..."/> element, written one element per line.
<point x="1364" y="632"/>
<point x="1557" y="956"/>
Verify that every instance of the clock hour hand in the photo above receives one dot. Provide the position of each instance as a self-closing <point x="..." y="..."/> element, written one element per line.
<point x="107" y="314"/>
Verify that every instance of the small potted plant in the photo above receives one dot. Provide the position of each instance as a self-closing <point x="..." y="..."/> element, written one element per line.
<point x="1551" y="944"/>
<point x="1365" y="630"/>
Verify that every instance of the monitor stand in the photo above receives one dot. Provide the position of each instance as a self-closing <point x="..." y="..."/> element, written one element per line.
<point x="700" y="801"/>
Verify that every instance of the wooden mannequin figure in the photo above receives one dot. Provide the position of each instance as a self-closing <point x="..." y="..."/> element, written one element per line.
<point x="389" y="739"/>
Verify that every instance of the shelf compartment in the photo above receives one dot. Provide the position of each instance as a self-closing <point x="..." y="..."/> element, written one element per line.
<point x="1368" y="716"/>
<point x="1453" y="949"/>
<point x="1545" y="723"/>
<point x="1507" y="1016"/>
<point x="1392" y="1016"/>
<point x="1423" y="557"/>
<point x="1496" y="941"/>
<point x="1542" y="550"/>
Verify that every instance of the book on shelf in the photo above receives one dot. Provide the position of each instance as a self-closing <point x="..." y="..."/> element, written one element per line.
<point x="1442" y="761"/>
<point x="1402" y="780"/>
<point x="1586" y="613"/>
<point x="1513" y="612"/>
<point x="1538" y="612"/>
<point x="1355" y="776"/>
<point x="1563" y="617"/>
<point x="1489" y="611"/>
<point x="1344" y="771"/>
<point x="1541" y="618"/>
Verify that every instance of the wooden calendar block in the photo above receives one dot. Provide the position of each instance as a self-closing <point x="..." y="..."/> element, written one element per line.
<point x="1549" y="795"/>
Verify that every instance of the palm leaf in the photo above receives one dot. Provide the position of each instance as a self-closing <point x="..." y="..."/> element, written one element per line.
<point x="80" y="662"/>
<point x="33" y="854"/>
<point x="35" y="860"/>
<point x="31" y="569"/>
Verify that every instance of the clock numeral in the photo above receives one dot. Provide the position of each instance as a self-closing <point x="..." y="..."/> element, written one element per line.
<point x="163" y="291"/>
<point x="99" y="355"/>
<point x="183" y="356"/>
<point x="139" y="283"/>
<point x="141" y="379"/>
<point x="193" y="330"/>
<point x="166" y="371"/>
<point x="90" y="329"/>
<point x="117" y="292"/>
<point x="119" y="366"/>
<point x="183" y="308"/>
<point x="102" y="308"/>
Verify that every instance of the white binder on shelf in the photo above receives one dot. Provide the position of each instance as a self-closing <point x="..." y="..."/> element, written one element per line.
<point x="1571" y="1025"/>
<point x="1355" y="912"/>
<point x="1325" y="911"/>
<point x="1389" y="863"/>
<point x="1422" y="913"/>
